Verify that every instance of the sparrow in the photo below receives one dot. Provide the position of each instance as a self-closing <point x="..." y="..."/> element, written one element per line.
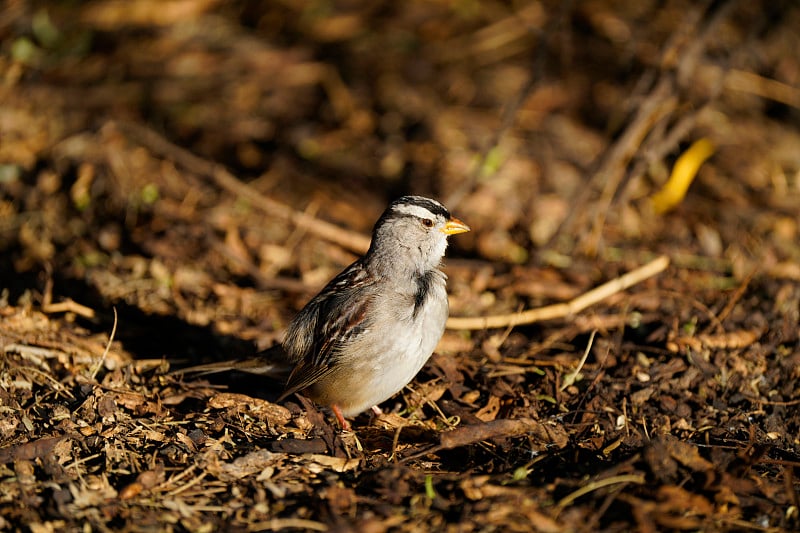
<point x="374" y="326"/>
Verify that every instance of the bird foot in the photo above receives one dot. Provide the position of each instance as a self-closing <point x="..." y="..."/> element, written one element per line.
<point x="340" y="417"/>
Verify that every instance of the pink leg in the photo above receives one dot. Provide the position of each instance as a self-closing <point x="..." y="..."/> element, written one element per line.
<point x="340" y="417"/>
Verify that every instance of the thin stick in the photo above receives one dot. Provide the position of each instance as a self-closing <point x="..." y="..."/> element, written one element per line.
<point x="595" y="485"/>
<point x="68" y="306"/>
<point x="570" y="378"/>
<point x="108" y="346"/>
<point x="752" y="83"/>
<point x="561" y="310"/>
<point x="351" y="240"/>
<point x="737" y="295"/>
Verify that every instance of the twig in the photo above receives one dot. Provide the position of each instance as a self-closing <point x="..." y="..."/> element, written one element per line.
<point x="351" y="240"/>
<point x="737" y="295"/>
<point x="752" y="83"/>
<point x="658" y="105"/>
<point x="594" y="485"/>
<point x="108" y="346"/>
<point x="563" y="309"/>
<point x="68" y="306"/>
<point x="276" y="524"/>
<point x="186" y="486"/>
<point x="570" y="378"/>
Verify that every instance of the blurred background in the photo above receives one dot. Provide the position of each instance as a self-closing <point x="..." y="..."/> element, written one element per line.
<point x="204" y="167"/>
<point x="547" y="126"/>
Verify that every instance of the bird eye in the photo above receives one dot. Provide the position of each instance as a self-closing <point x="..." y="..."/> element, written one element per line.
<point x="428" y="223"/>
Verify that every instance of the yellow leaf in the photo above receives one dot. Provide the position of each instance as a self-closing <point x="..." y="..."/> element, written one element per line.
<point x="683" y="174"/>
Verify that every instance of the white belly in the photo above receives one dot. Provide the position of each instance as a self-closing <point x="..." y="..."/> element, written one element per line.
<point x="386" y="363"/>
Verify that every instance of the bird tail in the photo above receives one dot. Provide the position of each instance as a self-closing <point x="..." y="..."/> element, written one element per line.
<point x="269" y="362"/>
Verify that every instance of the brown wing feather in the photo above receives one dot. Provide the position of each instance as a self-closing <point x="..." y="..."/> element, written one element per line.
<point x="304" y="375"/>
<point x="332" y="328"/>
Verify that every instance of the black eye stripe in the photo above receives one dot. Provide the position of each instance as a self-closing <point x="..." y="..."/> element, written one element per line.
<point x="435" y="208"/>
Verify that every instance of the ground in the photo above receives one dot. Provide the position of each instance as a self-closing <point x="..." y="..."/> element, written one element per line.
<point x="177" y="178"/>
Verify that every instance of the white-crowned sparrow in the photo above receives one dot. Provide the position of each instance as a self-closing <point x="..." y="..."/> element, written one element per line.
<point x="372" y="328"/>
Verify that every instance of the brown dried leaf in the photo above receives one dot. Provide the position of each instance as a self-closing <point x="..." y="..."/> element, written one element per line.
<point x="489" y="411"/>
<point x="252" y="463"/>
<point x="30" y="450"/>
<point x="465" y="435"/>
<point x="688" y="455"/>
<point x="272" y="413"/>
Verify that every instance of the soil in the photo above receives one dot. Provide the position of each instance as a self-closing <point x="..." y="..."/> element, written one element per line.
<point x="178" y="178"/>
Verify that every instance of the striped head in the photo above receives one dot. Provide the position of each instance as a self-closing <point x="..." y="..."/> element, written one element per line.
<point x="416" y="228"/>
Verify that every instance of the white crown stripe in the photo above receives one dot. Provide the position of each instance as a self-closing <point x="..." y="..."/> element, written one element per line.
<point x="413" y="210"/>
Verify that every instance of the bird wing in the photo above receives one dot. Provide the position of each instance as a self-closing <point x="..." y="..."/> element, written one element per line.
<point x="337" y="315"/>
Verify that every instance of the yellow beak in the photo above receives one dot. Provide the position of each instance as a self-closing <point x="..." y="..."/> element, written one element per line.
<point x="454" y="226"/>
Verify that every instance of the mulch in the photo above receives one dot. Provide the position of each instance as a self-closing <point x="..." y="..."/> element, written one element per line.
<point x="178" y="178"/>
